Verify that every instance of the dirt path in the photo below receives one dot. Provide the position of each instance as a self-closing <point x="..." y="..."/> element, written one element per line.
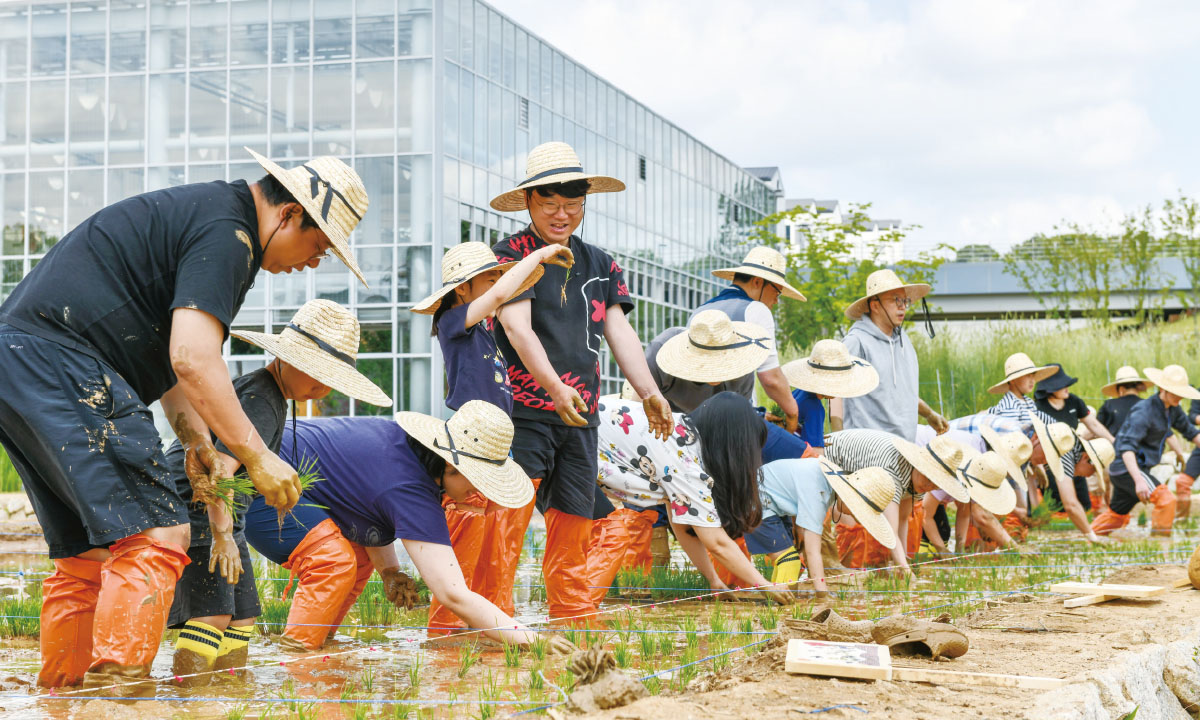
<point x="1067" y="643"/>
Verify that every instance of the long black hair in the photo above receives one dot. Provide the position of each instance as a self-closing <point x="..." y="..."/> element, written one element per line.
<point x="732" y="435"/>
<point x="433" y="463"/>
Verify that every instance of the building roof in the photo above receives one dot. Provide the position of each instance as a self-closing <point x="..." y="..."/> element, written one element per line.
<point x="823" y="206"/>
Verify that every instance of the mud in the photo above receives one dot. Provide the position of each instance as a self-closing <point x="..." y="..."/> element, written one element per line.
<point x="187" y="666"/>
<point x="601" y="684"/>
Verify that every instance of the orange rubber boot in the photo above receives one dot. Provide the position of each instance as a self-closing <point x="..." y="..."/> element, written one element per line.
<point x="723" y="572"/>
<point x="137" y="587"/>
<point x="1183" y="495"/>
<point x="325" y="564"/>
<point x="68" y="606"/>
<point x="606" y="551"/>
<point x="640" y="527"/>
<point x="1016" y="529"/>
<point x="565" y="567"/>
<point x="1108" y="521"/>
<point x="1162" y="515"/>
<point x="467" y="534"/>
<point x="915" y="521"/>
<point x="857" y="549"/>
<point x="496" y="569"/>
<point x="362" y="573"/>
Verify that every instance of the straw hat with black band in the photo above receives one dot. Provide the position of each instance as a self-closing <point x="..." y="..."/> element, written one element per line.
<point x="1057" y="440"/>
<point x="1019" y="365"/>
<point x="766" y="263"/>
<point x="476" y="440"/>
<point x="549" y="164"/>
<point x="322" y="342"/>
<point x="463" y="262"/>
<point x="1099" y="450"/>
<point x="714" y="349"/>
<point x="880" y="282"/>
<point x="1173" y="379"/>
<point x="1125" y="374"/>
<point x="983" y="475"/>
<point x="939" y="461"/>
<point x="1014" y="448"/>
<point x="831" y="370"/>
<point x="866" y="493"/>
<point x="332" y="194"/>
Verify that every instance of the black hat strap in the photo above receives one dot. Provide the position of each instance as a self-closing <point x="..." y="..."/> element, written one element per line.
<point x="760" y="342"/>
<point x="323" y="345"/>
<point x="316" y="181"/>
<point x="841" y="474"/>
<point x="455" y="453"/>
<point x="939" y="460"/>
<point x="837" y="368"/>
<point x="473" y="272"/>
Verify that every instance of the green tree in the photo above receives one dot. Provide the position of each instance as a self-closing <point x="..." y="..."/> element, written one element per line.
<point x="976" y="253"/>
<point x="1040" y="265"/>
<point x="1138" y="252"/>
<point x="1181" y="223"/>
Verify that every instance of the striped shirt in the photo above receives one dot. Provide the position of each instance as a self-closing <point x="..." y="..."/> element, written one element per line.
<point x="1022" y="409"/>
<point x="854" y="450"/>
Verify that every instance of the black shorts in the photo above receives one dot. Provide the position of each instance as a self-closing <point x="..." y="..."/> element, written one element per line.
<point x="566" y="461"/>
<point x="200" y="593"/>
<point x="772" y="536"/>
<point x="1192" y="469"/>
<point x="1124" y="495"/>
<point x="1081" y="492"/>
<point x="84" y="445"/>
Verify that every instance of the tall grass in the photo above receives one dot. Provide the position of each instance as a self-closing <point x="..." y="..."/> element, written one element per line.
<point x="19" y="614"/>
<point x="9" y="480"/>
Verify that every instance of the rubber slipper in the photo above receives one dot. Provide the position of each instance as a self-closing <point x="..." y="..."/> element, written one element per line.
<point x="904" y="634"/>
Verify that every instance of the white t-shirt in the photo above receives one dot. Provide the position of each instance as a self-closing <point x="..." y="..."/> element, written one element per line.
<point x="760" y="315"/>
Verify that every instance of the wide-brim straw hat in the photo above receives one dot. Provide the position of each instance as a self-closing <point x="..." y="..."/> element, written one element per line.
<point x="322" y="342"/>
<point x="984" y="476"/>
<point x="465" y="261"/>
<point x="1100" y="451"/>
<point x="1125" y="374"/>
<point x="766" y="263"/>
<point x="1173" y="379"/>
<point x="831" y="370"/>
<point x="476" y="440"/>
<point x="1019" y="365"/>
<point x="867" y="493"/>
<point x="548" y="164"/>
<point x="715" y="349"/>
<point x="1057" y="439"/>
<point x="882" y="281"/>
<point x="1014" y="448"/>
<point x="939" y="461"/>
<point x="334" y="196"/>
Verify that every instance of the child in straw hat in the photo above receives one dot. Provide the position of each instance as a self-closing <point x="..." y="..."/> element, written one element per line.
<point x="382" y="481"/>
<point x="1123" y="393"/>
<point x="216" y="603"/>
<point x="551" y="336"/>
<point x="130" y="307"/>
<point x="1020" y="376"/>
<point x="1139" y="447"/>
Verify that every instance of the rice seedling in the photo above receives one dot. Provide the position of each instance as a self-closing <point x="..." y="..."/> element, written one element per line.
<point x="653" y="685"/>
<point x="572" y="636"/>
<point x="536" y="680"/>
<point x="367" y="680"/>
<point x="358" y="711"/>
<point x="414" y="674"/>
<point x="237" y="712"/>
<point x="22" y="612"/>
<point x="235" y="492"/>
<point x="538" y="647"/>
<point x="622" y="654"/>
<point x="746" y="625"/>
<point x="646" y="645"/>
<point x="566" y="680"/>
<point x="400" y="711"/>
<point x="769" y="619"/>
<point x="512" y="655"/>
<point x="468" y="656"/>
<point x="687" y="670"/>
<point x="489" y="692"/>
<point x="666" y="643"/>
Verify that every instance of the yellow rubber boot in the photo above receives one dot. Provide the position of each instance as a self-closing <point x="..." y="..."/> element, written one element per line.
<point x="787" y="567"/>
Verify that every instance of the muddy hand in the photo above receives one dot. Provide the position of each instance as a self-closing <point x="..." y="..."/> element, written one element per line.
<point x="225" y="557"/>
<point x="399" y="588"/>
<point x="274" y="479"/>
<point x="791" y="423"/>
<point x="561" y="256"/>
<point x="569" y="405"/>
<point x="203" y="469"/>
<point x="658" y="416"/>
<point x="938" y="423"/>
<point x="779" y="593"/>
<point x="559" y="645"/>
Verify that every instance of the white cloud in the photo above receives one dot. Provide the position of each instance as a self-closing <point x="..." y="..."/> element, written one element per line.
<point x="982" y="122"/>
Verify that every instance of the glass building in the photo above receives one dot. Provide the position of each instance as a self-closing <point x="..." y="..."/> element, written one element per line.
<point x="434" y="102"/>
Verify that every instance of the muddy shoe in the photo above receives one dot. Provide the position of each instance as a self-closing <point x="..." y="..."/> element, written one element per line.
<point x="828" y="625"/>
<point x="292" y="645"/>
<point x="113" y="680"/>
<point x="191" y="668"/>
<point x="908" y="635"/>
<point x="234" y="660"/>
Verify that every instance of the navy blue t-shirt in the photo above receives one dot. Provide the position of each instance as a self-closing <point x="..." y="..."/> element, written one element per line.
<point x="108" y="288"/>
<point x="374" y="487"/>
<point x="475" y="368"/>
<point x="812" y="417"/>
<point x="781" y="445"/>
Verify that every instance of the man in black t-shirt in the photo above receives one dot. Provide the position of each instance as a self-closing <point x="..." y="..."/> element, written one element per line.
<point x="133" y="306"/>
<point x="551" y="337"/>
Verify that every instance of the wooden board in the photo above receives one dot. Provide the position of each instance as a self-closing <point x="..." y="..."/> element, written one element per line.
<point x="1116" y="591"/>
<point x="1087" y="600"/>
<point x="937" y="677"/>
<point x="865" y="661"/>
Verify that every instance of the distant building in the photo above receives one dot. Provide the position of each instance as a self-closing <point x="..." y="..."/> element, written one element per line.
<point x="830" y="211"/>
<point x="773" y="179"/>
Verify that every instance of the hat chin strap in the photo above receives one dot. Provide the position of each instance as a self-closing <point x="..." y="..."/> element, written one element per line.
<point x="455" y="453"/>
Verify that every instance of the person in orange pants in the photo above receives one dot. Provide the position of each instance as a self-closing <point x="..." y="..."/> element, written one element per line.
<point x="469" y="538"/>
<point x="1185" y="479"/>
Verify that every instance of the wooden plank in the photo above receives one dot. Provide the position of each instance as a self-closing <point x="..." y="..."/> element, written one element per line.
<point x="1181" y="582"/>
<point x="940" y="677"/>
<point x="1121" y="591"/>
<point x="1087" y="600"/>
<point x="837" y="659"/>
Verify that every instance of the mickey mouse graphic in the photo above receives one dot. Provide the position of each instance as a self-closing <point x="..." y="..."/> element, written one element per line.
<point x="621" y="418"/>
<point x="682" y="509"/>
<point x="685" y="433"/>
<point x="646" y="467"/>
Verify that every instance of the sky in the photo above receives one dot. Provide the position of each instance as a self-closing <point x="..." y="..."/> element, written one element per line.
<point x="982" y="122"/>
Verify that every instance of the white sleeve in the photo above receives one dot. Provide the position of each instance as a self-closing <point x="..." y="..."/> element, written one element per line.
<point x="760" y="315"/>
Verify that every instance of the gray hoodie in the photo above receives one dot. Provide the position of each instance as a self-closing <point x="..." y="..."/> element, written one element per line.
<point x="893" y="405"/>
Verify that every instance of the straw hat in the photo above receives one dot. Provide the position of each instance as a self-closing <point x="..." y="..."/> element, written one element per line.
<point x="867" y="493"/>
<point x="831" y="370"/>
<point x="1019" y="365"/>
<point x="322" y="342"/>
<point x="332" y="193"/>
<point x="476" y="440"/>
<point x="1125" y="374"/>
<point x="1014" y="448"/>
<point x="939" y="461"/>
<point x="628" y="393"/>
<point x="882" y="281"/>
<point x="463" y="262"/>
<point x="766" y="263"/>
<point x="715" y="349"/>
<point x="1173" y="379"/>
<point x="1057" y="440"/>
<point x="547" y="164"/>
<point x="984" y="478"/>
<point x="1100" y="451"/>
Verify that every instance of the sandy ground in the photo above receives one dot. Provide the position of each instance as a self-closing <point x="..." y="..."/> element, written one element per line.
<point x="1062" y="643"/>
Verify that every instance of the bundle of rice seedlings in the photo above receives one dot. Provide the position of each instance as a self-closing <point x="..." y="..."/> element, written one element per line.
<point x="235" y="492"/>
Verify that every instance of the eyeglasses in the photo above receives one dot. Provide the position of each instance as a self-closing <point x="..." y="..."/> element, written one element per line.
<point x="571" y="207"/>
<point x="901" y="303"/>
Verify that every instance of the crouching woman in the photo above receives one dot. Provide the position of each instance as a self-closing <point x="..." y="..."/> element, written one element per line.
<point x="383" y="481"/>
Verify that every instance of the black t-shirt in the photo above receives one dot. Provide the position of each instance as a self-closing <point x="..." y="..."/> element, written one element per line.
<point x="1113" y="412"/>
<point x="264" y="404"/>
<point x="1073" y="410"/>
<point x="568" y="316"/>
<point x="109" y="286"/>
